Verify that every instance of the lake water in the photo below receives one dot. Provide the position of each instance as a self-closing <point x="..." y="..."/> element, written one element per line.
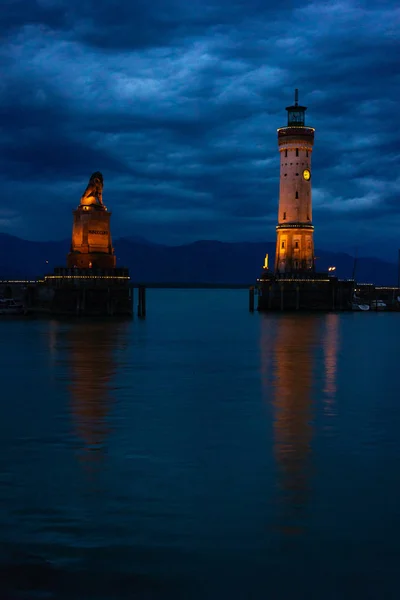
<point x="204" y="453"/>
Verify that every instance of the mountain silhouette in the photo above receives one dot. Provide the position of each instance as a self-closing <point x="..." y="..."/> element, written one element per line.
<point x="203" y="261"/>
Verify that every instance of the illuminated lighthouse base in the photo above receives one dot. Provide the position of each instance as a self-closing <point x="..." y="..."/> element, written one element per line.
<point x="294" y="249"/>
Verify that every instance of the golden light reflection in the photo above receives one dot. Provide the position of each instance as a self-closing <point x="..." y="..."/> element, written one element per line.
<point x="331" y="348"/>
<point x="91" y="348"/>
<point x="290" y="352"/>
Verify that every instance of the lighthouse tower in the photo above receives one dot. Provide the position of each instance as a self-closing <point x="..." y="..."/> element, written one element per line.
<point x="294" y="241"/>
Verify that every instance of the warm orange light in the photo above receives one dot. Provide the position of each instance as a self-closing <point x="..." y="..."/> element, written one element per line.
<point x="83" y="277"/>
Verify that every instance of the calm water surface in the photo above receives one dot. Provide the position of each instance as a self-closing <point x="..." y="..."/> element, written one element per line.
<point x="204" y="453"/>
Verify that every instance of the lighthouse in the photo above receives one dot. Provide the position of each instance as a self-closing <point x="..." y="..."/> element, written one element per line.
<point x="294" y="284"/>
<point x="294" y="240"/>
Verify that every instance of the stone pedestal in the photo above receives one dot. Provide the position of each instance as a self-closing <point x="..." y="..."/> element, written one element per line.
<point x="91" y="245"/>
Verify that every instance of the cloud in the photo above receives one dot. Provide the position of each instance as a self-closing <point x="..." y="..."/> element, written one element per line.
<point x="177" y="103"/>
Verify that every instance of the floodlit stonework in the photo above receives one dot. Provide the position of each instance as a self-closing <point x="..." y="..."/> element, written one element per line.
<point x="294" y="240"/>
<point x="91" y="245"/>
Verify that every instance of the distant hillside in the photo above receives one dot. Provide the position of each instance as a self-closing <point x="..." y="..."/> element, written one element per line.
<point x="202" y="261"/>
<point x="22" y="258"/>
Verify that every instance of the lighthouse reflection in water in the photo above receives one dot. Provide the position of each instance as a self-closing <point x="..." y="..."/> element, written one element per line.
<point x="291" y="347"/>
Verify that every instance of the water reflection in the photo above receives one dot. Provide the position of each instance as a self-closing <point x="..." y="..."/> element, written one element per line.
<point x="92" y="368"/>
<point x="293" y="348"/>
<point x="331" y="348"/>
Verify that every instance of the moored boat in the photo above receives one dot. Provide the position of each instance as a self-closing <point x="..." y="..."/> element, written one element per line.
<point x="358" y="304"/>
<point x="8" y="306"/>
<point x="355" y="306"/>
<point x="378" y="305"/>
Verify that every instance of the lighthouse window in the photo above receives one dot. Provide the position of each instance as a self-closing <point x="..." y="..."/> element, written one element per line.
<point x="297" y="151"/>
<point x="286" y="153"/>
<point x="283" y="245"/>
<point x="297" y="194"/>
<point x="296" y="244"/>
<point x="284" y="216"/>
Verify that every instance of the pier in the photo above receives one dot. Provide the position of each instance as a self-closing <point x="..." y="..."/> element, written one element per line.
<point x="306" y="294"/>
<point x="322" y="293"/>
<point x="84" y="294"/>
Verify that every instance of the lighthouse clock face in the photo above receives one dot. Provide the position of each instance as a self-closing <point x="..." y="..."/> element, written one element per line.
<point x="306" y="174"/>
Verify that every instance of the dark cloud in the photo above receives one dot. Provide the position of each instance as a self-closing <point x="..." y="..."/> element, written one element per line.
<point x="20" y="13"/>
<point x="178" y="103"/>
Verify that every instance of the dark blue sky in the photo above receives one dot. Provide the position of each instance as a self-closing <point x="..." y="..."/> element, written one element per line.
<point x="177" y="102"/>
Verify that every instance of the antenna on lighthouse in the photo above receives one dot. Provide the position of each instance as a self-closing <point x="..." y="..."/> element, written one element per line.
<point x="296" y="97"/>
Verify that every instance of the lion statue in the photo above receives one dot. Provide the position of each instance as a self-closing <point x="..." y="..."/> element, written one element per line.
<point x="94" y="190"/>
